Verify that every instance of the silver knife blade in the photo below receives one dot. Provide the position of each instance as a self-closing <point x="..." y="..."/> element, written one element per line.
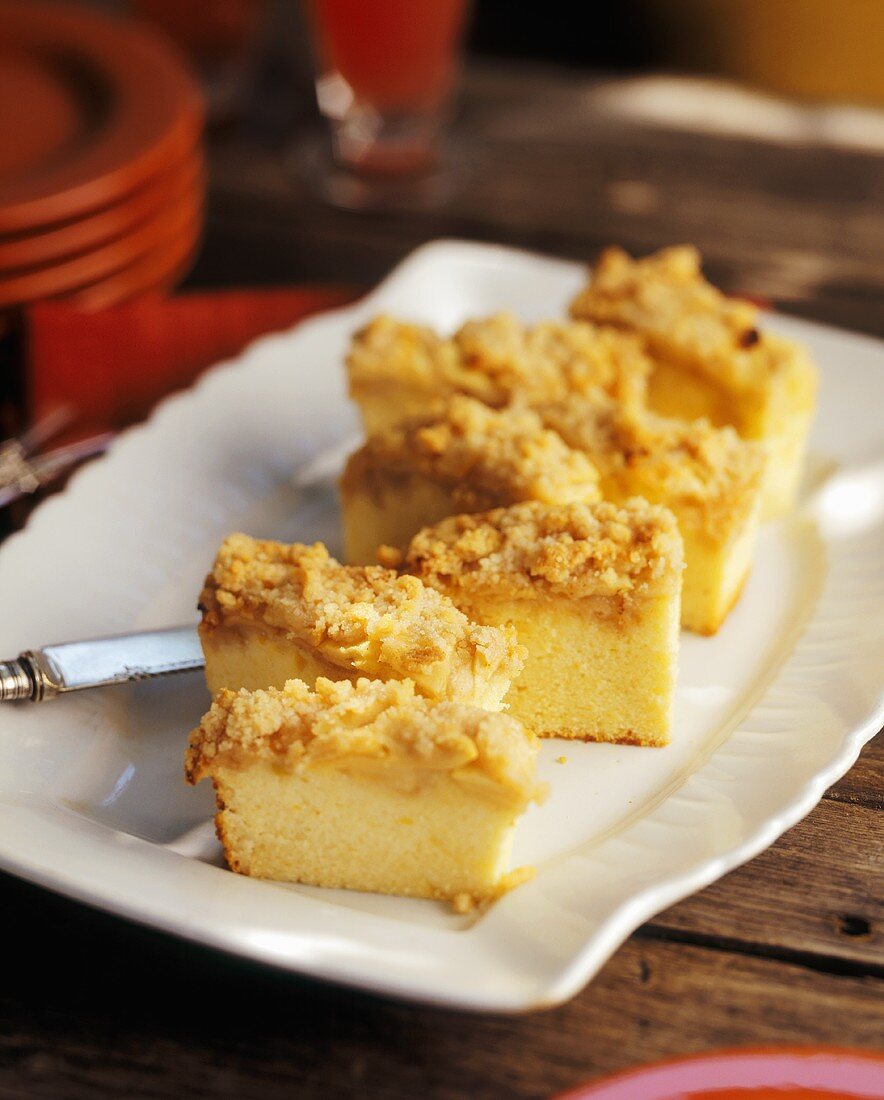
<point x="39" y="674"/>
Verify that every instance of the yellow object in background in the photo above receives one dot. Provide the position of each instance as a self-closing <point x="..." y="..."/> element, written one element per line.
<point x="820" y="49"/>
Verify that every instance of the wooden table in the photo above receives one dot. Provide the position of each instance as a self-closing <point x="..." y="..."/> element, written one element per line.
<point x="788" y="949"/>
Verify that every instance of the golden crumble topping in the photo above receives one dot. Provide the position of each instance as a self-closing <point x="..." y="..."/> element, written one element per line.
<point x="536" y="549"/>
<point x="553" y="358"/>
<point x="482" y="454"/>
<point x="675" y="462"/>
<point x="364" y="618"/>
<point x="495" y="358"/>
<point x="664" y="298"/>
<point x="386" y="722"/>
<point x="387" y="350"/>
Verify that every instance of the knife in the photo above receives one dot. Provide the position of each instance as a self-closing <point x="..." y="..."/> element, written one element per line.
<point x="39" y="674"/>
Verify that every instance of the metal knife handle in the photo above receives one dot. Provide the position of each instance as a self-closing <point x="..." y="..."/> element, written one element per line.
<point x="16" y="681"/>
<point x="31" y="676"/>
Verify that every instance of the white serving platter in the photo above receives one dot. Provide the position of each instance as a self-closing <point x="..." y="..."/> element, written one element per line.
<point x="769" y="713"/>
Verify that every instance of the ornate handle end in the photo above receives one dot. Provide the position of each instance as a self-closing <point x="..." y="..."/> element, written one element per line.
<point x="16" y="681"/>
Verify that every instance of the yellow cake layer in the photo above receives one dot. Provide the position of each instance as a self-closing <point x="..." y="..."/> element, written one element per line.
<point x="365" y="787"/>
<point x="593" y="673"/>
<point x="254" y="657"/>
<point x="709" y="478"/>
<point x="468" y="459"/>
<point x="273" y="612"/>
<point x="711" y="358"/>
<point x="397" y="370"/>
<point x="593" y="593"/>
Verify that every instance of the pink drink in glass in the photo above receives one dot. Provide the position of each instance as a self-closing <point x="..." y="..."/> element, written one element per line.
<point x="386" y="72"/>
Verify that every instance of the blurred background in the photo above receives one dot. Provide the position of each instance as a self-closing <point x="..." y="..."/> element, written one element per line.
<point x="812" y="48"/>
<point x="285" y="154"/>
<point x="751" y="127"/>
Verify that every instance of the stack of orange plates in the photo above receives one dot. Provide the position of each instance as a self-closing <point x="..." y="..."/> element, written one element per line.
<point x="101" y="169"/>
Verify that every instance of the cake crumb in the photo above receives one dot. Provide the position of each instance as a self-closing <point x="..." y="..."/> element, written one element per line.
<point x="463" y="903"/>
<point x="466" y="903"/>
<point x="561" y="759"/>
<point x="390" y="557"/>
<point x="517" y="877"/>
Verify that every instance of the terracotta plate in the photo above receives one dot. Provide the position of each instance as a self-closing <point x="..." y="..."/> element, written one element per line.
<point x="60" y="242"/>
<point x="156" y="272"/>
<point x="798" y="1073"/>
<point x="151" y="237"/>
<point x="91" y="109"/>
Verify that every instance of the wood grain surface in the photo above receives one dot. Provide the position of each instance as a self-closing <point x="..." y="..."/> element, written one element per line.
<point x="787" y="949"/>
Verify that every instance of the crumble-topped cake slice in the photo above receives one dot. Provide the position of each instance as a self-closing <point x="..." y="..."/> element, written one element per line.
<point x="399" y="371"/>
<point x="710" y="356"/>
<point x="366" y="786"/>
<point x="468" y="459"/>
<point x="593" y="592"/>
<point x="708" y="477"/>
<point x="394" y="369"/>
<point x="274" y="612"/>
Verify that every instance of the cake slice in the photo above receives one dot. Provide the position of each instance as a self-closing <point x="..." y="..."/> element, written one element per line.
<point x="399" y="371"/>
<point x="366" y="786"/>
<point x="468" y="459"/>
<point x="711" y="359"/>
<point x="274" y="612"/>
<point x="709" y="478"/>
<point x="394" y="369"/>
<point x="593" y="592"/>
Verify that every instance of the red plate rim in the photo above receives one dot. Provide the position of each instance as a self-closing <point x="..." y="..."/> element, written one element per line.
<point x="157" y="272"/>
<point x="160" y="115"/>
<point x="50" y="246"/>
<point x="851" y="1072"/>
<point x="84" y="270"/>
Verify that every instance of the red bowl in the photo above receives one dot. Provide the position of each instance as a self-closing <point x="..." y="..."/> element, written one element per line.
<point x="757" y="1073"/>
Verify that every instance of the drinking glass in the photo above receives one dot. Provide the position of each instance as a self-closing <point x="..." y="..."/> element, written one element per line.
<point x="386" y="71"/>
